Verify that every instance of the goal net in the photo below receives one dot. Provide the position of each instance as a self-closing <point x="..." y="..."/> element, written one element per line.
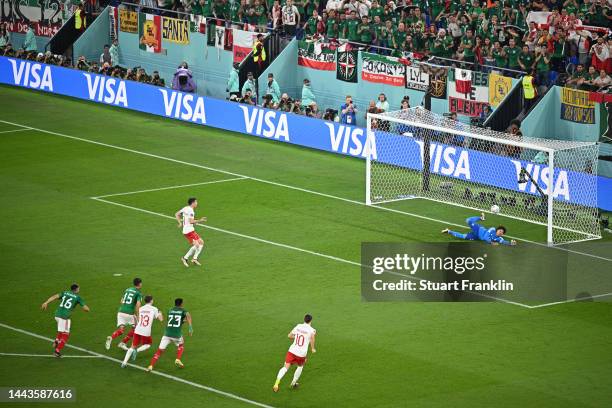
<point x="419" y="154"/>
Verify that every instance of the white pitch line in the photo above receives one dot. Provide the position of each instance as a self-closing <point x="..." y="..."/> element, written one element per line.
<point x="348" y="200"/>
<point x="42" y="355"/>
<point x="159" y="373"/>
<point x="15" y="130"/>
<point x="294" y="248"/>
<point x="172" y="187"/>
<point x="580" y="299"/>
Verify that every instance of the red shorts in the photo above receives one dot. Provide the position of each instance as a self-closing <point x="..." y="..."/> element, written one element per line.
<point x="291" y="358"/>
<point x="137" y="340"/>
<point x="192" y="236"/>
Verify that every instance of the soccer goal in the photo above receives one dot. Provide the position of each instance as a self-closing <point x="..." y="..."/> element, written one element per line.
<point x="419" y="154"/>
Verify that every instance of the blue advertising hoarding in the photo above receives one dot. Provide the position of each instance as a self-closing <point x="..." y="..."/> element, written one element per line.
<point x="284" y="127"/>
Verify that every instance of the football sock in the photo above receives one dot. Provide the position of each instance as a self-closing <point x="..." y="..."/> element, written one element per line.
<point x="128" y="337"/>
<point x="197" y="251"/>
<point x="143" y="347"/>
<point x="117" y="333"/>
<point x="296" y="375"/>
<point x="62" y="341"/>
<point x="457" y="234"/>
<point x="179" y="352"/>
<point x="156" y="356"/>
<point x="280" y="375"/>
<point x="127" y="355"/>
<point x="190" y="252"/>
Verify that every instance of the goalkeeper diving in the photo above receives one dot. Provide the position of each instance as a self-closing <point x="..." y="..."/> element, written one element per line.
<point x="493" y="235"/>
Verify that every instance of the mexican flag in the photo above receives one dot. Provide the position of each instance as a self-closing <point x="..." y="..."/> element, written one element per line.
<point x="463" y="80"/>
<point x="316" y="55"/>
<point x="149" y="32"/>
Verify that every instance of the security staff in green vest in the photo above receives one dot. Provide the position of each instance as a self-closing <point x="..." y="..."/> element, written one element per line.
<point x="529" y="90"/>
<point x="259" y="52"/>
<point x="79" y="18"/>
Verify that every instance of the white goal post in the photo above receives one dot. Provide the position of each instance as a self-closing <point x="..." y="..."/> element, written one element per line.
<point x="415" y="153"/>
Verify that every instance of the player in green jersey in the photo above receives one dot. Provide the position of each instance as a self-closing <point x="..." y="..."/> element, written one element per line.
<point x="174" y="334"/>
<point x="69" y="299"/>
<point x="128" y="308"/>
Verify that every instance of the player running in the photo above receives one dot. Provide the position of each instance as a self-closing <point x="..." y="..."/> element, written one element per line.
<point x="302" y="335"/>
<point x="493" y="236"/>
<point x="126" y="316"/>
<point x="142" y="334"/>
<point x="174" y="334"/>
<point x="186" y="219"/>
<point x="68" y="301"/>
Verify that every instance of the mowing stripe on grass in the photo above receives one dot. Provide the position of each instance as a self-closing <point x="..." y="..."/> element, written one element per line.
<point x="287" y="186"/>
<point x="294" y="248"/>
<point x="172" y="187"/>
<point x="42" y="355"/>
<point x="168" y="376"/>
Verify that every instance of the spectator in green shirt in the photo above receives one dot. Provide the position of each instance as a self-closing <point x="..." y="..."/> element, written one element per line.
<point x="512" y="52"/>
<point x="29" y="43"/>
<point x="467" y="45"/>
<point x="526" y="59"/>
<point x="365" y="31"/>
<point x="352" y="24"/>
<point x="499" y="55"/>
<point x="542" y="61"/>
<point x="331" y="25"/>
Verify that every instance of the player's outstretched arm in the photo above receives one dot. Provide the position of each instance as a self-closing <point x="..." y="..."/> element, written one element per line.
<point x="312" y="344"/>
<point x="291" y="335"/>
<point x="86" y="308"/>
<point x="189" y="322"/>
<point x="160" y="317"/>
<point x="51" y="299"/>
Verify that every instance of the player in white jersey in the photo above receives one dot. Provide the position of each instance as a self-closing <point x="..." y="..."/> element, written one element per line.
<point x="186" y="220"/>
<point x="142" y="333"/>
<point x="302" y="335"/>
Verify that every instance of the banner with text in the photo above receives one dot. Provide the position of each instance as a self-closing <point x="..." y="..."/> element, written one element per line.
<point x="576" y="106"/>
<point x="382" y="69"/>
<point x="175" y="30"/>
<point x="468" y="91"/>
<point x="128" y="21"/>
<point x="316" y="55"/>
<point x="450" y="161"/>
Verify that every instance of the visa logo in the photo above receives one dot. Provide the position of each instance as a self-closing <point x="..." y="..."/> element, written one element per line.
<point x="266" y="123"/>
<point x="28" y="74"/>
<point x="184" y="106"/>
<point x="348" y="140"/>
<point x="448" y="160"/>
<point x="106" y="89"/>
<point x="542" y="177"/>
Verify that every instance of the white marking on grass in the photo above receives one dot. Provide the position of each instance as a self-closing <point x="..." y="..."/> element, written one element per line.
<point x="117" y="274"/>
<point x="15" y="130"/>
<point x="159" y="373"/>
<point x="42" y="355"/>
<point x="579" y="299"/>
<point x="294" y="248"/>
<point x="348" y="200"/>
<point x="172" y="187"/>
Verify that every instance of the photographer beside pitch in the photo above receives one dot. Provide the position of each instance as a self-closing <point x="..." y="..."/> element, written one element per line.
<point x="493" y="235"/>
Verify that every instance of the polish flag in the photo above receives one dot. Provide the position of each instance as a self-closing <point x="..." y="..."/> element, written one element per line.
<point x="463" y="80"/>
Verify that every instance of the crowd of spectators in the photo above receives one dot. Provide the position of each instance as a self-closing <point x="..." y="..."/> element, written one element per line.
<point x="107" y="64"/>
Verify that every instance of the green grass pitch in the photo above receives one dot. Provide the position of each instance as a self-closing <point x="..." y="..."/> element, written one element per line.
<point x="282" y="242"/>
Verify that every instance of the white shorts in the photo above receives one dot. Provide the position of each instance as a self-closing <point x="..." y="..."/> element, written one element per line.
<point x="124" y="319"/>
<point x="167" y="340"/>
<point x="63" y="325"/>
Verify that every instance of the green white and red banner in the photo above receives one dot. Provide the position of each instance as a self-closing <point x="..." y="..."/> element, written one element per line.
<point x="382" y="69"/>
<point x="316" y="56"/>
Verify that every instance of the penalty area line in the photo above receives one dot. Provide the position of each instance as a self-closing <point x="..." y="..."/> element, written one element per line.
<point x="274" y="183"/>
<point x="159" y="373"/>
<point x="42" y="355"/>
<point x="172" y="187"/>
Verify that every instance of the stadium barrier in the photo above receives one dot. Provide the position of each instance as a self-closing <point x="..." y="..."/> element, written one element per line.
<point x="283" y="127"/>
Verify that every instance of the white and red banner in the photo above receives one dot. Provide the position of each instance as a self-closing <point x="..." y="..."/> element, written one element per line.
<point x="468" y="92"/>
<point x="243" y="44"/>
